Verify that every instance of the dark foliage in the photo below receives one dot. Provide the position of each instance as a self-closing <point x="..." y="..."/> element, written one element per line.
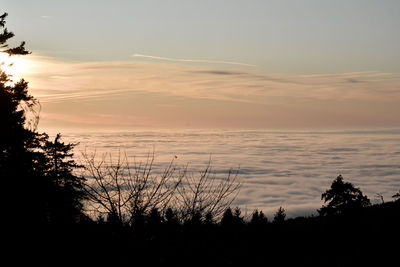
<point x="343" y="197"/>
<point x="351" y="239"/>
<point x="232" y="219"/>
<point x="36" y="173"/>
<point x="280" y="215"/>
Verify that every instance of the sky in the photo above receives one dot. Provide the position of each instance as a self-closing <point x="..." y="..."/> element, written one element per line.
<point x="210" y="64"/>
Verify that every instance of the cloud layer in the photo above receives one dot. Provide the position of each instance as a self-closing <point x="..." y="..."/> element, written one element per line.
<point x="277" y="168"/>
<point x="177" y="94"/>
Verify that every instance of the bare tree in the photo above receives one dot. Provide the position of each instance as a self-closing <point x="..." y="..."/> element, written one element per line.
<point x="124" y="193"/>
<point x="206" y="194"/>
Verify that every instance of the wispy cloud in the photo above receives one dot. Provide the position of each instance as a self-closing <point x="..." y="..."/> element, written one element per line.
<point x="79" y="80"/>
<point x="46" y="17"/>
<point x="194" y="60"/>
<point x="164" y="92"/>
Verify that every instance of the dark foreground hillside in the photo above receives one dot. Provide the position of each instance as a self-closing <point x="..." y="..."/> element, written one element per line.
<point x="369" y="237"/>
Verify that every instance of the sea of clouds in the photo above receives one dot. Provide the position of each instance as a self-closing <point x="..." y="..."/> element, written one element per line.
<point x="277" y="168"/>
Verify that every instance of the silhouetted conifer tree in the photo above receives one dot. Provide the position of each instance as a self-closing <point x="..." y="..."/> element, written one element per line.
<point x="237" y="216"/>
<point x="280" y="215"/>
<point x="36" y="172"/>
<point x="230" y="218"/>
<point x="227" y="217"/>
<point x="171" y="217"/>
<point x="258" y="218"/>
<point x="195" y="219"/>
<point x="154" y="217"/>
<point x="208" y="218"/>
<point x="67" y="194"/>
<point x="342" y="197"/>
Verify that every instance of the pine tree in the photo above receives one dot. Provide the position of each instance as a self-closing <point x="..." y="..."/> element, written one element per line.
<point x="280" y="215"/>
<point x="342" y="197"/>
<point x="18" y="156"/>
<point x="67" y="194"/>
<point x="227" y="218"/>
<point x="258" y="218"/>
<point x="37" y="174"/>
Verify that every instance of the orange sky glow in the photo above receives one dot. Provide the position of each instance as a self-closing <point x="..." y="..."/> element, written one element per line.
<point x="131" y="94"/>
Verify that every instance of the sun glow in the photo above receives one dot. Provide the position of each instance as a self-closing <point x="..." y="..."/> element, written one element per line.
<point x="14" y="66"/>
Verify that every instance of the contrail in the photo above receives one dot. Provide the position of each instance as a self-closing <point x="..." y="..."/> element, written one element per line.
<point x="194" y="60"/>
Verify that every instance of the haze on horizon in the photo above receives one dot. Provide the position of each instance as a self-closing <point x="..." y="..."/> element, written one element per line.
<point x="211" y="64"/>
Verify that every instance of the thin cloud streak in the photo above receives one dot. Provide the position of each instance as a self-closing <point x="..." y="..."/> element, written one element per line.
<point x="194" y="60"/>
<point x="82" y="80"/>
<point x="57" y="79"/>
<point x="183" y="94"/>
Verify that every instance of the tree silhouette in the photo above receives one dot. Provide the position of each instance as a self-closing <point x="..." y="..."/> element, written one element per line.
<point x="128" y="193"/>
<point x="237" y="216"/>
<point x="171" y="217"/>
<point x="280" y="215"/>
<point x="227" y="218"/>
<point x="342" y="197"/>
<point x="206" y="193"/>
<point x="154" y="218"/>
<point x="35" y="171"/>
<point x="67" y="193"/>
<point x="232" y="218"/>
<point x="20" y="162"/>
<point x="258" y="218"/>
<point x="5" y="35"/>
<point x="14" y="137"/>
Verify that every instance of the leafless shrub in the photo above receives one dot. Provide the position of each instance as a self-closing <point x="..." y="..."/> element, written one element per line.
<point x="126" y="193"/>
<point x="206" y="194"/>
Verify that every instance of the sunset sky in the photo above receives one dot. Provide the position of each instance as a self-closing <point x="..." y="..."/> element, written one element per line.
<point x="111" y="65"/>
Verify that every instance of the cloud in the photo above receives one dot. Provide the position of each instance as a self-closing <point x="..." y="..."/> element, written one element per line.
<point x="90" y="79"/>
<point x="193" y="60"/>
<point x="219" y="96"/>
<point x="351" y="80"/>
<point x="46" y="17"/>
<point x="299" y="194"/>
<point x="219" y="72"/>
